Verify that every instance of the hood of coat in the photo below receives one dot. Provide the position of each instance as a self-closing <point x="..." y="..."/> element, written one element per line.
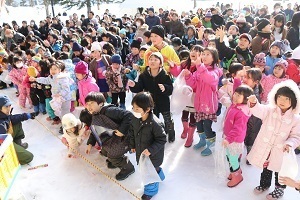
<point x="293" y="86"/>
<point x="244" y="108"/>
<point x="144" y="27"/>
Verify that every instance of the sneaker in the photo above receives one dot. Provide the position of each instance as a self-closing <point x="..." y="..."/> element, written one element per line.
<point x="260" y="189"/>
<point x="110" y="165"/>
<point x="276" y="194"/>
<point x="56" y="121"/>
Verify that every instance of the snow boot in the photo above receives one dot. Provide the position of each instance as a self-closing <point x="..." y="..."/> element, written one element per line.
<point x="19" y="142"/>
<point x="185" y="129"/>
<point x="248" y="150"/>
<point x="126" y="171"/>
<point x="202" y="141"/>
<point x="230" y="175"/>
<point x="190" y="137"/>
<point x="209" y="143"/>
<point x="236" y="178"/>
<point x="171" y="136"/>
<point x="276" y="194"/>
<point x="161" y="174"/>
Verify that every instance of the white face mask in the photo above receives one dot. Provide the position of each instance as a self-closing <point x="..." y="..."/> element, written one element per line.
<point x="32" y="23"/>
<point x="138" y="24"/>
<point x="136" y="114"/>
<point x="19" y="65"/>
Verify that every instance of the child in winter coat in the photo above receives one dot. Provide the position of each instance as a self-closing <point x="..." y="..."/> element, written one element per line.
<point x="293" y="70"/>
<point x="269" y="81"/>
<point x="259" y="62"/>
<point x="279" y="133"/>
<point x="74" y="133"/>
<point x="205" y="82"/>
<point x="117" y="80"/>
<point x="17" y="75"/>
<point x="188" y="114"/>
<point x="133" y="57"/>
<point x="135" y="72"/>
<point x="235" y="127"/>
<point x="275" y="53"/>
<point x="148" y="137"/>
<point x="86" y="83"/>
<point x="156" y="81"/>
<point x="60" y="87"/>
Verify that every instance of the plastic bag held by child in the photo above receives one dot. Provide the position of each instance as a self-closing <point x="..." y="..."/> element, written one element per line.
<point x="181" y="96"/>
<point x="221" y="164"/>
<point x="147" y="170"/>
<point x="56" y="104"/>
<point x="289" y="166"/>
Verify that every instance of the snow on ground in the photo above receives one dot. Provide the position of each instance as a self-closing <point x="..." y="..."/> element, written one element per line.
<point x="188" y="174"/>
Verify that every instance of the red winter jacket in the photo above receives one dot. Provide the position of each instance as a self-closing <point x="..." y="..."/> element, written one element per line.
<point x="293" y="71"/>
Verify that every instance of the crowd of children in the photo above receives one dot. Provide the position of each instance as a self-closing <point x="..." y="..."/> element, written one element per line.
<point x="255" y="78"/>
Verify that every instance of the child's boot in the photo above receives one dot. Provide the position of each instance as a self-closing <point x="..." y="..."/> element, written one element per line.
<point x="276" y="194"/>
<point x="190" y="137"/>
<point x="185" y="129"/>
<point x="202" y="141"/>
<point x="209" y="143"/>
<point x="236" y="178"/>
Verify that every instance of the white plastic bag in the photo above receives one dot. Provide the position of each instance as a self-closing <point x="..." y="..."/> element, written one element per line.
<point x="181" y="96"/>
<point x="221" y="163"/>
<point x="147" y="170"/>
<point x="289" y="166"/>
<point x="56" y="104"/>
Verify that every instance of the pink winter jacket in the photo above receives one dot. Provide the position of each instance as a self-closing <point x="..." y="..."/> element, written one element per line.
<point x="267" y="83"/>
<point x="86" y="86"/>
<point x="17" y="75"/>
<point x="235" y="125"/>
<point x="205" y="82"/>
<point x="276" y="131"/>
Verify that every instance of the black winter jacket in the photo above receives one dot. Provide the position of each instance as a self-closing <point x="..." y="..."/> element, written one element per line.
<point x="14" y="119"/>
<point x="149" y="83"/>
<point x="148" y="134"/>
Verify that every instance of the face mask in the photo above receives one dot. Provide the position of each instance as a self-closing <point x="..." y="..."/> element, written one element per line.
<point x="19" y="65"/>
<point x="136" y="114"/>
<point x="138" y="24"/>
<point x="32" y="23"/>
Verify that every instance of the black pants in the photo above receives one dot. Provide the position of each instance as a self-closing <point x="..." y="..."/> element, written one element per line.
<point x="115" y="96"/>
<point x="266" y="179"/>
<point x="185" y="118"/>
<point x="37" y="96"/>
<point x="169" y="123"/>
<point x="117" y="162"/>
<point x="205" y="126"/>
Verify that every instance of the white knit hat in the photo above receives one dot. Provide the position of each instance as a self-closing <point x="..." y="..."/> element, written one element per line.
<point x="96" y="46"/>
<point x="69" y="121"/>
<point x="296" y="53"/>
<point x="241" y="19"/>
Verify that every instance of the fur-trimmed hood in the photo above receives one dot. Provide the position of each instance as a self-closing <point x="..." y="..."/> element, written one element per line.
<point x="293" y="86"/>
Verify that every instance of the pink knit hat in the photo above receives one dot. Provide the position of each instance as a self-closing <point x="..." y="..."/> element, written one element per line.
<point x="81" y="68"/>
<point x="260" y="59"/>
<point x="282" y="63"/>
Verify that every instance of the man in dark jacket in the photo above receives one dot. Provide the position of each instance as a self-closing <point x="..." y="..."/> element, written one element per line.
<point x="23" y="30"/>
<point x="88" y="20"/>
<point x="174" y="27"/>
<point x="152" y="20"/>
<point x="110" y="126"/>
<point x="12" y="124"/>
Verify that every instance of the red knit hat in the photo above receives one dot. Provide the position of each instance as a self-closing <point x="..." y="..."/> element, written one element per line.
<point x="81" y="68"/>
<point x="260" y="59"/>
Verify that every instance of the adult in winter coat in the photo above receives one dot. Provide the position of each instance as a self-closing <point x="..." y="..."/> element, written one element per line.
<point x="279" y="133"/>
<point x="175" y="26"/>
<point x="141" y="29"/>
<point x="12" y="124"/>
<point x="293" y="35"/>
<point x="152" y="19"/>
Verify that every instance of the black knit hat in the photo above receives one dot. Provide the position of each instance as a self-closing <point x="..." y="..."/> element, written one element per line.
<point x="136" y="44"/>
<point x="176" y="41"/>
<point x="262" y="24"/>
<point x="158" y="30"/>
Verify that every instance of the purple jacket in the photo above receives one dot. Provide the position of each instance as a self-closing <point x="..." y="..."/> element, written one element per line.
<point x="205" y="82"/>
<point x="86" y="86"/>
<point x="235" y="125"/>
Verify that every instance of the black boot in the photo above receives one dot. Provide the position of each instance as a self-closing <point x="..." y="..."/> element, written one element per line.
<point x="110" y="165"/>
<point x="171" y="136"/>
<point x="146" y="197"/>
<point x="19" y="142"/>
<point x="248" y="150"/>
<point x="126" y="171"/>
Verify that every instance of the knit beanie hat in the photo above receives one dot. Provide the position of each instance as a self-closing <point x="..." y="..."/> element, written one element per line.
<point x="208" y="14"/>
<point x="151" y="9"/>
<point x="81" y="68"/>
<point x="195" y="20"/>
<point x="158" y="30"/>
<point x="123" y="31"/>
<point x="262" y="24"/>
<point x="3" y="52"/>
<point x="280" y="45"/>
<point x="136" y="43"/>
<point x="282" y="63"/>
<point x="296" y="53"/>
<point x="241" y="19"/>
<point x="101" y="30"/>
<point x="260" y="59"/>
<point x="116" y="59"/>
<point x="176" y="41"/>
<point x="144" y="48"/>
<point x="158" y="55"/>
<point x="36" y="58"/>
<point x="246" y="36"/>
<point x="76" y="47"/>
<point x="96" y="47"/>
<point x="32" y="72"/>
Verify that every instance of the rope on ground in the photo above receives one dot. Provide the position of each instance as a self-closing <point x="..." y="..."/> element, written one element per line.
<point x="86" y="160"/>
